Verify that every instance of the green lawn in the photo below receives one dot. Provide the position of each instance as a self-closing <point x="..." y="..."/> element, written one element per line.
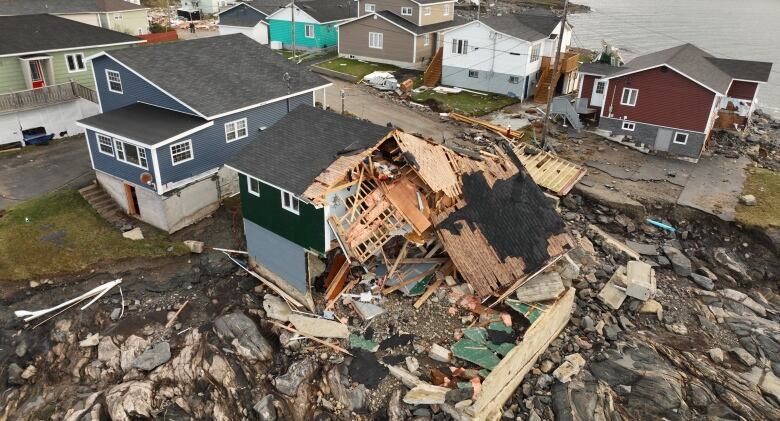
<point x="465" y="102"/>
<point x="765" y="186"/>
<point x="356" y="68"/>
<point x="60" y="233"/>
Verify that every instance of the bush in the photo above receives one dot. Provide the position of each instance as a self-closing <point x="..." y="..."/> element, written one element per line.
<point x="156" y="28"/>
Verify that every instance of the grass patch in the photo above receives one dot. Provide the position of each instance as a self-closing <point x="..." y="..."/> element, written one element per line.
<point x="765" y="186"/>
<point x="356" y="68"/>
<point x="465" y="102"/>
<point x="60" y="233"/>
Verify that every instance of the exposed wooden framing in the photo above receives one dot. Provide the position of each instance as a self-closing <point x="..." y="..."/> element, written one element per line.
<point x="401" y="256"/>
<point x="490" y="126"/>
<point x="337" y="281"/>
<point x="409" y="281"/>
<point x="428" y="292"/>
<point x="414" y="260"/>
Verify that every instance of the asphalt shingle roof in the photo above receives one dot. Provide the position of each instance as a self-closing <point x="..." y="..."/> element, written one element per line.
<point x="295" y="150"/>
<point x="30" y="7"/>
<point x="329" y="10"/>
<point x="713" y="72"/>
<point x="158" y="123"/>
<point x="220" y="74"/>
<point x="419" y="30"/>
<point x="34" y="33"/>
<point x="241" y="15"/>
<point x="597" y="68"/>
<point x="268" y="6"/>
<point x="525" y="27"/>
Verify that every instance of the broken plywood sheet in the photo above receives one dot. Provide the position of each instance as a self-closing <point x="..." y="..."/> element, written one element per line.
<point x="543" y="287"/>
<point x="404" y="196"/>
<point x="319" y="328"/>
<point x="432" y="163"/>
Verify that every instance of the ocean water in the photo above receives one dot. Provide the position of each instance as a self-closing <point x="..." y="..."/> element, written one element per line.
<point x="746" y="30"/>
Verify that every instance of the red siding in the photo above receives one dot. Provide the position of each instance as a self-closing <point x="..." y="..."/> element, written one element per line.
<point x="665" y="98"/>
<point x="743" y="90"/>
<point x="587" y="86"/>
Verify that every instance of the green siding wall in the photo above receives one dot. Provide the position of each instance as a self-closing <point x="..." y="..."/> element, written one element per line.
<point x="11" y="77"/>
<point x="307" y="229"/>
<point x="324" y="35"/>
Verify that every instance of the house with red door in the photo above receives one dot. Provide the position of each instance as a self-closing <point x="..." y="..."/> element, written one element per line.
<point x="672" y="100"/>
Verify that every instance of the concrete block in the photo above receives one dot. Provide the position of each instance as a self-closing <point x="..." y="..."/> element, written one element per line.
<point x="640" y="280"/>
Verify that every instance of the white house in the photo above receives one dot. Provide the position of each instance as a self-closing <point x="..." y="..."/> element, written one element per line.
<point x="197" y="9"/>
<point x="502" y="54"/>
<point x="244" y="19"/>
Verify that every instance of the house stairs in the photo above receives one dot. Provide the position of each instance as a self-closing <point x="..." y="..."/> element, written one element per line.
<point x="562" y="106"/>
<point x="105" y="205"/>
<point x="549" y="77"/>
<point x="432" y="74"/>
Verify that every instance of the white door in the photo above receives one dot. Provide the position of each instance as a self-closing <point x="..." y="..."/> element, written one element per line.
<point x="597" y="95"/>
<point x="662" y="139"/>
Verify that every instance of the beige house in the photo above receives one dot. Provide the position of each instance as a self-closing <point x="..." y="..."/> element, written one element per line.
<point x="405" y="33"/>
<point x="117" y="15"/>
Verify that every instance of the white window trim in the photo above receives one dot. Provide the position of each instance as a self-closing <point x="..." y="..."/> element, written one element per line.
<point x="427" y="10"/>
<point x="192" y="153"/>
<point x="446" y="10"/>
<point x="246" y="130"/>
<point x="460" y="46"/>
<point x="476" y="72"/>
<point x="627" y="124"/>
<point x="83" y="62"/>
<point x="516" y="77"/>
<point x="292" y="199"/>
<point x="407" y="9"/>
<point x="110" y="140"/>
<point x="426" y="39"/>
<point x="538" y="54"/>
<point x="124" y="153"/>
<point x="381" y="40"/>
<point x="306" y="28"/>
<point x="623" y="94"/>
<point x="369" y="8"/>
<point x="603" y="87"/>
<point x="108" y="81"/>
<point x="674" y="139"/>
<point x="249" y="186"/>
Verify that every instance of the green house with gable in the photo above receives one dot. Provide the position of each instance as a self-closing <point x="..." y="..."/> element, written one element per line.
<point x="284" y="224"/>
<point x="315" y="23"/>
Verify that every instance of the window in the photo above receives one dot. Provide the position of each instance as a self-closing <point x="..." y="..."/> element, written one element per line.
<point x="406" y="11"/>
<point x="235" y="130"/>
<point x="253" y="185"/>
<point x="117" y="16"/>
<point x="427" y="11"/>
<point x="427" y="39"/>
<point x="627" y="125"/>
<point x="131" y="154"/>
<point x="629" y="96"/>
<point x="446" y="10"/>
<point x="680" y="138"/>
<point x="535" y="51"/>
<point x="114" y="81"/>
<point x="514" y="79"/>
<point x="375" y="40"/>
<point x="290" y="203"/>
<point x="75" y="62"/>
<point x="370" y="8"/>
<point x="308" y="31"/>
<point x="460" y="46"/>
<point x="105" y="145"/>
<point x="474" y="73"/>
<point x="600" y="87"/>
<point x="181" y="152"/>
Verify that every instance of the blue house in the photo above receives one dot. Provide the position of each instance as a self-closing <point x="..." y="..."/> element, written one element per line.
<point x="173" y="114"/>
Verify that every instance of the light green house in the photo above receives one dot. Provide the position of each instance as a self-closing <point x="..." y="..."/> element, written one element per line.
<point x="315" y="23"/>
<point x="118" y="15"/>
<point x="46" y="82"/>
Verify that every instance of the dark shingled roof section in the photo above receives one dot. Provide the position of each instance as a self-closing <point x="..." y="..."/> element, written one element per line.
<point x="241" y="15"/>
<point x="525" y="27"/>
<point x="597" y="68"/>
<point x="419" y="30"/>
<point x="209" y="75"/>
<point x="295" y="150"/>
<point x="743" y="69"/>
<point x="514" y="216"/>
<point x="30" y="7"/>
<point x="144" y="123"/>
<point x="32" y="33"/>
<point x="329" y="10"/>
<point x="268" y="6"/>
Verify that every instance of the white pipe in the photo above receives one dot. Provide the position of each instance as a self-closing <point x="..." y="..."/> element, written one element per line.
<point x="102" y="289"/>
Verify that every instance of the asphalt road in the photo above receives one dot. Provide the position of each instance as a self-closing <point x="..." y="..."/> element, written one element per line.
<point x="36" y="170"/>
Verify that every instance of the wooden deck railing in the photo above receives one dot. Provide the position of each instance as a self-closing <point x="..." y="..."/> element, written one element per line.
<point x="48" y="95"/>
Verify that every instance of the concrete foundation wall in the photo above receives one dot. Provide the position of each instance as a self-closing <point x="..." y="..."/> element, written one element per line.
<point x="57" y="119"/>
<point x="496" y="83"/>
<point x="281" y="257"/>
<point x="646" y="133"/>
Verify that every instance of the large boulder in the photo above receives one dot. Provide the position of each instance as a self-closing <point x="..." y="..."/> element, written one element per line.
<point x="240" y="331"/>
<point x="299" y="372"/>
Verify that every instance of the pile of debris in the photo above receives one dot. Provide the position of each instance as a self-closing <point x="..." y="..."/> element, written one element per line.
<point x="760" y="142"/>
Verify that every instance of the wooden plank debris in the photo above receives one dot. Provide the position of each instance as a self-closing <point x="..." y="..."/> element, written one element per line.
<point x="320" y="341"/>
<point x="175" y="315"/>
<point x="428" y="292"/>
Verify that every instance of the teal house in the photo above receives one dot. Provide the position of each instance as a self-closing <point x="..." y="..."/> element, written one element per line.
<point x="315" y="23"/>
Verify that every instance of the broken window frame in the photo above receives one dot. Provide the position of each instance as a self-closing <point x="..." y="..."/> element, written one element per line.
<point x="184" y="149"/>
<point x="105" y="144"/>
<point x="293" y="203"/>
<point x="629" y="97"/>
<point x="249" y="181"/>
<point x="234" y="128"/>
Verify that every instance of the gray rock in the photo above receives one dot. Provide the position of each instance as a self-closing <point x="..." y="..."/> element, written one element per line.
<point x="458" y="394"/>
<point x="645" y="249"/>
<point x="276" y="308"/>
<point x="680" y="263"/>
<point x="544" y="381"/>
<point x="716" y="354"/>
<point x="744" y="357"/>
<point x="265" y="408"/>
<point x="611" y="332"/>
<point x="298" y="372"/>
<point x="15" y="374"/>
<point x="153" y="357"/>
<point x="733" y="264"/>
<point x="115" y="313"/>
<point x="240" y="331"/>
<point x="587" y="324"/>
<point x="702" y="281"/>
<point x="21" y="349"/>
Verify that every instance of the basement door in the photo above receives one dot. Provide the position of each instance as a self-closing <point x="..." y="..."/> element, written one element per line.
<point x="132" y="200"/>
<point x="663" y="139"/>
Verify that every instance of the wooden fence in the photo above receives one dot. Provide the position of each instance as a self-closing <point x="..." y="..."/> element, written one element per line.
<point x="33" y="98"/>
<point x="160" y="37"/>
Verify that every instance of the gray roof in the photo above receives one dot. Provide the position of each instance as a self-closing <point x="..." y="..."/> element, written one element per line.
<point x="597" y="68"/>
<point x="216" y="75"/>
<point x="743" y="69"/>
<point x="268" y="6"/>
<point x="241" y="15"/>
<point x="698" y="65"/>
<point x="36" y="33"/>
<point x="428" y="1"/>
<point x="329" y="10"/>
<point x="158" y="123"/>
<point x="30" y="7"/>
<point x="526" y="27"/>
<point x="419" y="30"/>
<point x="295" y="150"/>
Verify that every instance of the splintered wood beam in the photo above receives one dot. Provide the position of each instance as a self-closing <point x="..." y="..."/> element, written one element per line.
<point x="428" y="292"/>
<point x="401" y="256"/>
<point x="409" y="281"/>
<point x="318" y="340"/>
<point x="345" y="290"/>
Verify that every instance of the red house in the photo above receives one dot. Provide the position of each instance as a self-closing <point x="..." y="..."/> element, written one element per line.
<point x="671" y="100"/>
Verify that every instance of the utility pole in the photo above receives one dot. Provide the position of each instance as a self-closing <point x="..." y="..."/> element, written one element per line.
<point x="343" y="97"/>
<point x="479" y="8"/>
<point x="292" y="28"/>
<point x="551" y="87"/>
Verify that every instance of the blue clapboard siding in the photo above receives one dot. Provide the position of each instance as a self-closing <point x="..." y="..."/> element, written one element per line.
<point x="134" y="89"/>
<point x="115" y="167"/>
<point x="211" y="150"/>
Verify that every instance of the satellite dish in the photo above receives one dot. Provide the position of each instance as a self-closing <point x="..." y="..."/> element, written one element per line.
<point x="146" y="178"/>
